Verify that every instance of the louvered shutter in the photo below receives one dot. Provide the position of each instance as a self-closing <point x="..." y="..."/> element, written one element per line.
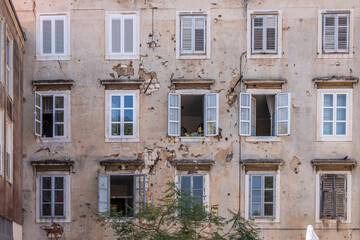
<point x="271" y="39"/>
<point x="129" y="28"/>
<point x="199" y="34"/>
<point x="333" y="202"/>
<point x="257" y="33"/>
<point x="340" y="196"/>
<point x="329" y="33"/>
<point x="245" y="114"/>
<point x="174" y="104"/>
<point x="327" y="203"/>
<point x="60" y="36"/>
<point x="282" y="114"/>
<point x="46" y="36"/>
<point x="186" y="33"/>
<point x="211" y="114"/>
<point x="115" y="35"/>
<point x="343" y="33"/>
<point x="37" y="114"/>
<point x="103" y="193"/>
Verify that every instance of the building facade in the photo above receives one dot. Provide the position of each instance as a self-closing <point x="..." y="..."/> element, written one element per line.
<point x="251" y="104"/>
<point x="12" y="41"/>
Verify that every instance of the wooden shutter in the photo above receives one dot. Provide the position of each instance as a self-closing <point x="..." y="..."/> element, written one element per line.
<point x="129" y="29"/>
<point x="245" y="114"/>
<point x="59" y="36"/>
<point x="37" y="114"/>
<point x="46" y="36"/>
<point x="329" y="33"/>
<point x="200" y="28"/>
<point x="340" y="196"/>
<point x="211" y="114"/>
<point x="115" y="35"/>
<point x="257" y="33"/>
<point x="282" y="114"/>
<point x="333" y="202"/>
<point x="103" y="193"/>
<point x="271" y="32"/>
<point x="343" y="33"/>
<point x="186" y="33"/>
<point x="174" y="113"/>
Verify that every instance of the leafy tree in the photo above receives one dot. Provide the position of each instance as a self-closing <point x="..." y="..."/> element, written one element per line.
<point x="178" y="216"/>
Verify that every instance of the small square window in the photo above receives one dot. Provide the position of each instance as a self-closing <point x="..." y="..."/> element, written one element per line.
<point x="193" y="34"/>
<point x="264" y="33"/>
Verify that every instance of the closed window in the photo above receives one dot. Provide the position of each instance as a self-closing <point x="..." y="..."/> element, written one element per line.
<point x="52" y="196"/>
<point x="335" y="35"/>
<point x="264" y="115"/>
<point x="264" y="33"/>
<point x="51" y="112"/>
<point x="262" y="195"/>
<point x="192" y="115"/>
<point x="192" y="185"/>
<point x="333" y="198"/>
<point x="121" y="193"/>
<point x="53" y="35"/>
<point x="193" y="34"/>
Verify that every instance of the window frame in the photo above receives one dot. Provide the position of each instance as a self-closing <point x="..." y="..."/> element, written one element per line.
<point x="320" y="114"/>
<point x="136" y="112"/>
<point x="207" y="41"/>
<point x="203" y="199"/>
<point x="67" y="116"/>
<point x="348" y="175"/>
<point x="336" y="54"/>
<point x="53" y="176"/>
<point x="264" y="49"/>
<point x="40" y="17"/>
<point x="278" y="43"/>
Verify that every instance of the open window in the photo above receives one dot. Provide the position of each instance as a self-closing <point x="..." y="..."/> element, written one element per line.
<point x="264" y="115"/>
<point x="121" y="193"/>
<point x="191" y="115"/>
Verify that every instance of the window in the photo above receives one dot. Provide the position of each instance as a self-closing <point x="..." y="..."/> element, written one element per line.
<point x="121" y="193"/>
<point x="9" y="71"/>
<point x="53" y="36"/>
<point x="335" y="114"/>
<point x="264" y="115"/>
<point x="191" y="115"/>
<point x="262" y="195"/>
<point x="122" y="35"/>
<point x="264" y="34"/>
<point x="193" y="185"/>
<point x="333" y="196"/>
<point x="9" y="151"/>
<point x="336" y="33"/>
<point x="51" y="115"/>
<point x="52" y="196"/>
<point x="1" y="143"/>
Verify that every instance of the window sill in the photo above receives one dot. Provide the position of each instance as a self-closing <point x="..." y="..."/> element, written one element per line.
<point x="110" y="140"/>
<point x="50" y="220"/>
<point x="46" y="140"/>
<point x="335" y="55"/>
<point x="121" y="57"/>
<point x="331" y="221"/>
<point x="334" y="139"/>
<point x="264" y="220"/>
<point x="264" y="55"/>
<point x="194" y="56"/>
<point x="47" y="58"/>
<point x="263" y="139"/>
<point x="194" y="139"/>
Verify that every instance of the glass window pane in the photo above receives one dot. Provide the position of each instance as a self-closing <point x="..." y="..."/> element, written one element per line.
<point x="256" y="182"/>
<point x="115" y="129"/>
<point x="269" y="182"/>
<point x="211" y="128"/>
<point x="283" y="100"/>
<point x="46" y="196"/>
<point x="59" y="116"/>
<point x="283" y="114"/>
<point x="245" y="114"/>
<point x="174" y="114"/>
<point x="115" y="101"/>
<point x="245" y="128"/>
<point x="328" y="128"/>
<point x="59" y="102"/>
<point x="268" y="196"/>
<point x="211" y="101"/>
<point x="256" y="209"/>
<point x="128" y="101"/>
<point x="328" y="114"/>
<point x="282" y="128"/>
<point x="341" y="114"/>
<point x="103" y="195"/>
<point x="174" y="101"/>
<point x="59" y="196"/>
<point x="128" y="129"/>
<point x="340" y="128"/>
<point x="256" y="196"/>
<point x="198" y="182"/>
<point x="328" y="100"/>
<point x="59" y="183"/>
<point x="245" y="100"/>
<point x="37" y="99"/>
<point x="115" y="116"/>
<point x="103" y="182"/>
<point x="268" y="210"/>
<point x="341" y="100"/>
<point x="46" y="182"/>
<point x="174" y="128"/>
<point x="59" y="129"/>
<point x="37" y="127"/>
<point x="46" y="210"/>
<point x="59" y="209"/>
<point x="185" y="182"/>
<point x="128" y="115"/>
<point x="198" y="193"/>
<point x="211" y="115"/>
<point x="38" y="115"/>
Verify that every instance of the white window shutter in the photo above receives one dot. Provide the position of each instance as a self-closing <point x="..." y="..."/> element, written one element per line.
<point x="199" y="35"/>
<point x="328" y="33"/>
<point x="343" y="33"/>
<point x="271" y="33"/>
<point x="129" y="28"/>
<point x="245" y="114"/>
<point x="103" y="193"/>
<point x="174" y="113"/>
<point x="115" y="35"/>
<point x="282" y="114"/>
<point x="211" y="114"/>
<point x="60" y="36"/>
<point x="186" y="33"/>
<point x="38" y="114"/>
<point x="253" y="116"/>
<point x="46" y="36"/>
<point x="257" y="33"/>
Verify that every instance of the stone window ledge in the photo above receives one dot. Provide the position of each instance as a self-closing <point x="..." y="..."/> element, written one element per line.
<point x="333" y="164"/>
<point x="192" y="83"/>
<point x="126" y="84"/>
<point x="192" y="164"/>
<point x="262" y="164"/>
<point x="335" y="82"/>
<point x="53" y="165"/>
<point x="58" y="84"/>
<point x="121" y="164"/>
<point x="264" y="83"/>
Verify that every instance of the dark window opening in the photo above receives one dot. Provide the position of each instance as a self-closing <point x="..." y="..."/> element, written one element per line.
<point x="47" y="116"/>
<point x="192" y="115"/>
<point x="262" y="115"/>
<point x="122" y="194"/>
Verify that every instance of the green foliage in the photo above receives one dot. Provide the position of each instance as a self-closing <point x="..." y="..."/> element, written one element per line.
<point x="177" y="216"/>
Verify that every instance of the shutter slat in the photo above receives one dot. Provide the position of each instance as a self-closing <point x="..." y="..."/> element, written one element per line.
<point x="59" y="36"/>
<point x="46" y="41"/>
<point x="128" y="35"/>
<point x="115" y="36"/>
